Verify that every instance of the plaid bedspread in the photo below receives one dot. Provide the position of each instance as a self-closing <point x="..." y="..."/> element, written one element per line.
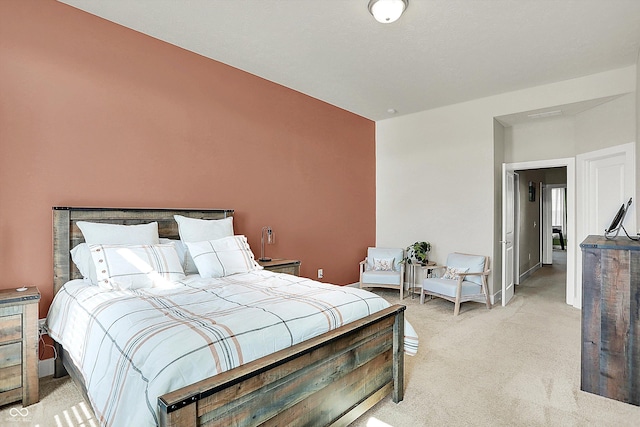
<point x="133" y="346"/>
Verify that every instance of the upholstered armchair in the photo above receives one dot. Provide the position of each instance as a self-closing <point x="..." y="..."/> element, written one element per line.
<point x="383" y="268"/>
<point x="464" y="278"/>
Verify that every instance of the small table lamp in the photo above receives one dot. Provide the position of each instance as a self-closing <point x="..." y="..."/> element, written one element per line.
<point x="271" y="238"/>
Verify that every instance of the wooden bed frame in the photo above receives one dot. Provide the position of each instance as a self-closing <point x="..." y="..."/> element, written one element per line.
<point x="328" y="380"/>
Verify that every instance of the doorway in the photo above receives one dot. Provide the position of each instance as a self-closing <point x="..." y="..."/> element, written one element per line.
<point x="554" y="220"/>
<point x="569" y="164"/>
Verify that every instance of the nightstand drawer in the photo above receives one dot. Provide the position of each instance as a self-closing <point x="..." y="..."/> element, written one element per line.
<point x="10" y="328"/>
<point x="10" y="354"/>
<point x="286" y="269"/>
<point x="10" y="378"/>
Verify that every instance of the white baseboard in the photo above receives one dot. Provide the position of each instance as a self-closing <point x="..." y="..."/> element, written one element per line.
<point x="496" y="297"/>
<point x="46" y="367"/>
<point x="530" y="271"/>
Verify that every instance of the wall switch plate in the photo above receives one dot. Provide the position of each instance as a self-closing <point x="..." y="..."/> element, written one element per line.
<point x="320" y="273"/>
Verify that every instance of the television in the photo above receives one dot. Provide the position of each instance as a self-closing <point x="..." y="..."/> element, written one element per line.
<point x="616" y="223"/>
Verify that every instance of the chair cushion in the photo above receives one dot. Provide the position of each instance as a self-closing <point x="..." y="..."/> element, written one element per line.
<point x="474" y="263"/>
<point x="381" y="277"/>
<point x="448" y="287"/>
<point x="397" y="254"/>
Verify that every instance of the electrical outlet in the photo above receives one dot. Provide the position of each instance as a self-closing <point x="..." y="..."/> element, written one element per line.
<point x="41" y="327"/>
<point x="320" y="273"/>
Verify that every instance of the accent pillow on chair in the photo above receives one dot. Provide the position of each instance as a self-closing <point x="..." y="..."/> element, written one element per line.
<point x="384" y="264"/>
<point x="453" y="273"/>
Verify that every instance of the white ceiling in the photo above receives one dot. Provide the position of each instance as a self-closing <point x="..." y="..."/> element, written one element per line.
<point x="439" y="52"/>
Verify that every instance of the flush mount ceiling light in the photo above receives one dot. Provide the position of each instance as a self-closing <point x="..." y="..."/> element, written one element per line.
<point x="387" y="11"/>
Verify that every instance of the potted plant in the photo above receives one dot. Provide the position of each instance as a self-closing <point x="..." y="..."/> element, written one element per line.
<point x="418" y="253"/>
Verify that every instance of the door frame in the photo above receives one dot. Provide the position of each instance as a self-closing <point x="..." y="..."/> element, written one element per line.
<point x="570" y="164"/>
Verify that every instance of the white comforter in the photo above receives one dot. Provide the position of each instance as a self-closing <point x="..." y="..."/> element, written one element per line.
<point x="133" y="346"/>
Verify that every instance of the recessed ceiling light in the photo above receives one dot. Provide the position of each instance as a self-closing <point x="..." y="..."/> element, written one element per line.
<point x="392" y="111"/>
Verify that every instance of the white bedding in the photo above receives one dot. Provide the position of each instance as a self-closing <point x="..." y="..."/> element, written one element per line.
<point x="157" y="340"/>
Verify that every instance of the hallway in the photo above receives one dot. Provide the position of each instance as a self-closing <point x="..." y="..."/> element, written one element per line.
<point x="549" y="282"/>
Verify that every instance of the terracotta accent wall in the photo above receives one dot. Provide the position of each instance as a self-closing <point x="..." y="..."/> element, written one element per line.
<point x="95" y="114"/>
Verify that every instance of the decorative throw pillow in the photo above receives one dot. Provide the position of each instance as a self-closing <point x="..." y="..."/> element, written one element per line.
<point x="453" y="273"/>
<point x="223" y="257"/>
<point x="383" y="264"/>
<point x="183" y="254"/>
<point x="200" y="230"/>
<point x="136" y="266"/>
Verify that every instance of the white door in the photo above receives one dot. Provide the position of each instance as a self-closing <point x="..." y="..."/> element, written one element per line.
<point x="547" y="237"/>
<point x="508" y="229"/>
<point x="606" y="180"/>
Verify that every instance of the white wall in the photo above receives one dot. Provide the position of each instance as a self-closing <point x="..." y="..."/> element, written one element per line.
<point x="607" y="125"/>
<point x="430" y="170"/>
<point x="435" y="169"/>
<point x="540" y="140"/>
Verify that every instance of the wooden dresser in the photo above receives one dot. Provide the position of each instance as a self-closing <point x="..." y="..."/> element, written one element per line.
<point x="19" y="346"/>
<point x="610" y="318"/>
<point x="289" y="266"/>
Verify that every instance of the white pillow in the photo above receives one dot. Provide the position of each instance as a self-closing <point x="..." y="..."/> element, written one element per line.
<point x="199" y="230"/>
<point x="223" y="257"/>
<point x="136" y="266"/>
<point x="183" y="253"/>
<point x="81" y="256"/>
<point x="96" y="233"/>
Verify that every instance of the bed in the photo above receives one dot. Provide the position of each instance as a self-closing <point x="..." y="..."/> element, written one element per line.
<point x="328" y="379"/>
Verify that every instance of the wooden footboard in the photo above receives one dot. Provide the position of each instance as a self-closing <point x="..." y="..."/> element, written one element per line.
<point x="328" y="380"/>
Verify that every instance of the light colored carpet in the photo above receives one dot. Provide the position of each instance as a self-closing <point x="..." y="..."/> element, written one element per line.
<point x="510" y="366"/>
<point x="517" y="365"/>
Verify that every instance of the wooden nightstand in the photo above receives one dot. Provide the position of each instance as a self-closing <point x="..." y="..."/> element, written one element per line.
<point x="19" y="346"/>
<point x="289" y="266"/>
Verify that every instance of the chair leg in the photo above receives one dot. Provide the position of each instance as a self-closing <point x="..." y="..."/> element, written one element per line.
<point x="486" y="293"/>
<point x="456" y="310"/>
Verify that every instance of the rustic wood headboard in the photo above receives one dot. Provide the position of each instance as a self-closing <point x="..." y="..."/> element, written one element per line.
<point x="66" y="234"/>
